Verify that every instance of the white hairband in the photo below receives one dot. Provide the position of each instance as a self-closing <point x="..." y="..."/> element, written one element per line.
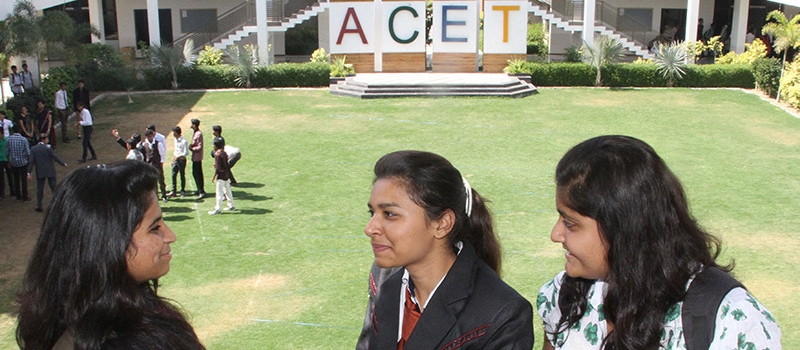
<point x="468" y="206"/>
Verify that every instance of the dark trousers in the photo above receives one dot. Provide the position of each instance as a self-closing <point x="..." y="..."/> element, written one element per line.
<point x="197" y="173"/>
<point x="51" y="181"/>
<point x="87" y="141"/>
<point x="5" y="169"/>
<point x="231" y="162"/>
<point x="63" y="116"/>
<point x="162" y="184"/>
<point x="21" y="181"/>
<point x="179" y="166"/>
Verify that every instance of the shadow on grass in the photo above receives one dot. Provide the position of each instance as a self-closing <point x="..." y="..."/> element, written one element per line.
<point x="8" y="295"/>
<point x="176" y="210"/>
<point x="253" y="211"/>
<point x="248" y="185"/>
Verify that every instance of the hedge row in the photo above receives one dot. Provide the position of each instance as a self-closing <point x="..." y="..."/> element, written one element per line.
<point x="207" y="77"/>
<point x="640" y="75"/>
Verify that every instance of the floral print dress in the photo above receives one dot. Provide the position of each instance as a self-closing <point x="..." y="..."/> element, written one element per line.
<point x="742" y="322"/>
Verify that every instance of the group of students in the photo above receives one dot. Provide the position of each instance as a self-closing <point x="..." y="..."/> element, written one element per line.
<point x="153" y="150"/>
<point x="636" y="260"/>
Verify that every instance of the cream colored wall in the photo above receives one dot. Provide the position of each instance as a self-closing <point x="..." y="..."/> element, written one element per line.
<point x="127" y="34"/>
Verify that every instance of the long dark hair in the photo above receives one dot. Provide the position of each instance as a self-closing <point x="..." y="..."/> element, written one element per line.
<point x="435" y="185"/>
<point x="77" y="278"/>
<point x="654" y="243"/>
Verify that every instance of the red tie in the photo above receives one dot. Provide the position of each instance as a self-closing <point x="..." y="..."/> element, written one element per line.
<point x="411" y="315"/>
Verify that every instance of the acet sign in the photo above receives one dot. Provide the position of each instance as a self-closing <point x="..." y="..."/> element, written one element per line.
<point x="399" y="27"/>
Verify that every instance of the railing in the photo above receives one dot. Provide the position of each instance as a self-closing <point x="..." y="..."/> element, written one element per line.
<point x="623" y="24"/>
<point x="242" y="15"/>
<point x="226" y="23"/>
<point x="606" y="14"/>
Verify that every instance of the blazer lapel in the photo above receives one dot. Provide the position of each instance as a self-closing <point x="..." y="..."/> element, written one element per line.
<point x="385" y="317"/>
<point x="441" y="315"/>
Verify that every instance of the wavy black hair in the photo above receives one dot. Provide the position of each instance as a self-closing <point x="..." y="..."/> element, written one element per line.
<point x="77" y="279"/>
<point x="435" y="185"/>
<point x="654" y="243"/>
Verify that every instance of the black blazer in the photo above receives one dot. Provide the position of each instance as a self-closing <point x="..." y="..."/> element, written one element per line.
<point x="472" y="309"/>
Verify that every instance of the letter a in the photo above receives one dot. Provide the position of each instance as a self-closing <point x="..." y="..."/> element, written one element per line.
<point x="351" y="12"/>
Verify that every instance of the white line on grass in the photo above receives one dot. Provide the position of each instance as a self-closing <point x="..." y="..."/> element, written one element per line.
<point x="301" y="323"/>
<point x="200" y="223"/>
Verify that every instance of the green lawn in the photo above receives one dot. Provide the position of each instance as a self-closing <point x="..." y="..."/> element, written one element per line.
<point x="289" y="269"/>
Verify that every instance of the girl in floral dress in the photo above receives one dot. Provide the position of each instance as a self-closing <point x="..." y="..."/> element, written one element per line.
<point x="632" y="250"/>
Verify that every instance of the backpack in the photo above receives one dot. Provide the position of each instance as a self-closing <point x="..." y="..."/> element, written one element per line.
<point x="701" y="303"/>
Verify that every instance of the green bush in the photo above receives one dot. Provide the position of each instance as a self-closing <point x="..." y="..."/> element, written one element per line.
<point x="640" y="75"/>
<point x="27" y="99"/>
<point x="303" y="39"/>
<point x="156" y="78"/>
<point x="537" y="45"/>
<point x="115" y="79"/>
<point x="210" y="56"/>
<point x="767" y="72"/>
<point x="208" y="77"/>
<point x="311" y="74"/>
<point x="562" y="74"/>
<point x="50" y="83"/>
<point x="790" y="84"/>
<point x="718" y="75"/>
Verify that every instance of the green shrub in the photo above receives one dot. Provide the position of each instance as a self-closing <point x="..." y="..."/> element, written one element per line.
<point x="311" y="74"/>
<point x="115" y="79"/>
<point x="562" y="74"/>
<point x="319" y="55"/>
<point x="639" y="74"/>
<point x="303" y="39"/>
<point x="208" y="77"/>
<point x="718" y="75"/>
<point x="574" y="54"/>
<point x="156" y="78"/>
<point x="210" y="56"/>
<point x="51" y="81"/>
<point x="790" y="84"/>
<point x="767" y="72"/>
<point x="537" y="43"/>
<point x="27" y="99"/>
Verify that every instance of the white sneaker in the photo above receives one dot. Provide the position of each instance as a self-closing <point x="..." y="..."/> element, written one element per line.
<point x="213" y="212"/>
<point x="229" y="208"/>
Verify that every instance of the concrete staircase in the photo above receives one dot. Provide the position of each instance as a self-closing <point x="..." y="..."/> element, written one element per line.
<point x="385" y="85"/>
<point x="295" y="19"/>
<point x="576" y="26"/>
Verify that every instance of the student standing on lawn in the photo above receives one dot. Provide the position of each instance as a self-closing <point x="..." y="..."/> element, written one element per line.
<point x="179" y="161"/>
<point x="42" y="158"/>
<point x="156" y="145"/>
<point x="81" y="94"/>
<point x="62" y="105"/>
<point x="197" y="158"/>
<point x="85" y="121"/>
<point x="234" y="154"/>
<point x="632" y="250"/>
<point x="221" y="173"/>
<point x="427" y="220"/>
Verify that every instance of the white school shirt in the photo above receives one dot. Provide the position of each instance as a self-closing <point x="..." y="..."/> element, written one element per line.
<point x="61" y="99"/>
<point x="181" y="147"/>
<point x="86" y="117"/>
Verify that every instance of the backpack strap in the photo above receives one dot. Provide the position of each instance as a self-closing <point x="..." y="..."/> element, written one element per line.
<point x="701" y="303"/>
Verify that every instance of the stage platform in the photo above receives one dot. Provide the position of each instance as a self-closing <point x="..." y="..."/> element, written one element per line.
<point x="385" y="85"/>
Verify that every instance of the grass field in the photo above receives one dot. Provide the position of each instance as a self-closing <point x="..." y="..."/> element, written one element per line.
<point x="289" y="269"/>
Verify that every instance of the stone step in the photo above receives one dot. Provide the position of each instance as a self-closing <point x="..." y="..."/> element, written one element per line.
<point x="386" y="85"/>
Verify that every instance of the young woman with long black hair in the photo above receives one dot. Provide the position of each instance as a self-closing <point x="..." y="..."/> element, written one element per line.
<point x="93" y="276"/>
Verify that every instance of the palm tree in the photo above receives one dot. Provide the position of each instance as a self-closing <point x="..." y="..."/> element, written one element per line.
<point x="786" y="34"/>
<point x="169" y="58"/>
<point x="606" y="50"/>
<point x="245" y="62"/>
<point x="670" y="60"/>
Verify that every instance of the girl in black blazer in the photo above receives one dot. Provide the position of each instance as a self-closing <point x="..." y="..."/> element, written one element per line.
<point x="437" y="233"/>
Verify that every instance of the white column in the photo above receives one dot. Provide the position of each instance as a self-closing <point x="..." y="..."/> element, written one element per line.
<point x="153" y="25"/>
<point x="378" y="37"/>
<point x="262" y="33"/>
<point x="739" y="27"/>
<point x="588" y="22"/>
<point x="96" y="20"/>
<point x="692" y="16"/>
